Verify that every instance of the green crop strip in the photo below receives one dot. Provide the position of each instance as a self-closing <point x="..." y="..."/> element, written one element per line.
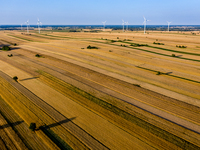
<point x="161" y="73"/>
<point x="55" y="36"/>
<point x="42" y="37"/>
<point x="165" y="49"/>
<point x="21" y="38"/>
<point x="149" y="51"/>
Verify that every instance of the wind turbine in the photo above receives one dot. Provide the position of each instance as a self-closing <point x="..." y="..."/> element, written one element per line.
<point x="168" y="25"/>
<point x="123" y="24"/>
<point x="21" y="26"/>
<point x="145" y="24"/>
<point x="39" y="23"/>
<point x="104" y="24"/>
<point x="27" y="25"/>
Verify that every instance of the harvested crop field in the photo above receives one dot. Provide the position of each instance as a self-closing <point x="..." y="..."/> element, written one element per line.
<point x="103" y="90"/>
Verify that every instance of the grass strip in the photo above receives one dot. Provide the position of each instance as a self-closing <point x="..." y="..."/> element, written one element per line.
<point x="55" y="36"/>
<point x="42" y="37"/>
<point x="21" y="38"/>
<point x="164" y="49"/>
<point x="173" y="50"/>
<point x="8" y="42"/>
<point x="161" y="73"/>
<point x="150" y="51"/>
<point x="145" y="125"/>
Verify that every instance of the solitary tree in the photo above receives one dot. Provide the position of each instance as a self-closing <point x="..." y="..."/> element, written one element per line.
<point x="15" y="78"/>
<point x="32" y="126"/>
<point x="173" y="55"/>
<point x="6" y="48"/>
<point x="37" y="55"/>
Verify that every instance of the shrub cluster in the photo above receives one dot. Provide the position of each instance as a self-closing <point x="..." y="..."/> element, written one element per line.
<point x="91" y="47"/>
<point x="181" y="46"/>
<point x="138" y="45"/>
<point x="73" y="30"/>
<point x="158" y="73"/>
<point x="112" y="41"/>
<point x="127" y="40"/>
<point x="37" y="55"/>
<point x="158" y="43"/>
<point x="10" y="55"/>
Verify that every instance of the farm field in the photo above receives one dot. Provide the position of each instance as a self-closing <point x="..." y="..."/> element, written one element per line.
<point x="106" y="90"/>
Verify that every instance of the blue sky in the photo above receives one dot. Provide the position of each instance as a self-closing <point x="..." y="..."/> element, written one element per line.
<point x="90" y="12"/>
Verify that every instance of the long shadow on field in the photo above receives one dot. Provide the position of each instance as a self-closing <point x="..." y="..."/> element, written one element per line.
<point x="179" y="55"/>
<point x="14" y="48"/>
<point x="168" y="73"/>
<point x="11" y="124"/>
<point x="29" y="78"/>
<point x="58" y="123"/>
<point x="11" y="48"/>
<point x="46" y="129"/>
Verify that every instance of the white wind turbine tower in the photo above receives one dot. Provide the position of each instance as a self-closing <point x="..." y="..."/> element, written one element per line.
<point x="123" y="24"/>
<point x="168" y="25"/>
<point x="39" y="23"/>
<point x="104" y="24"/>
<point x="27" y="25"/>
<point x="21" y="26"/>
<point x="145" y="24"/>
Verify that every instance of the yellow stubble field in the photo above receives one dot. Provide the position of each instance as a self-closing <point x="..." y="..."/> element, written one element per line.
<point x="179" y="78"/>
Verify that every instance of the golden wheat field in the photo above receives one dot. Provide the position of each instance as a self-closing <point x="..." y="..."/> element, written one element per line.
<point x="105" y="90"/>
